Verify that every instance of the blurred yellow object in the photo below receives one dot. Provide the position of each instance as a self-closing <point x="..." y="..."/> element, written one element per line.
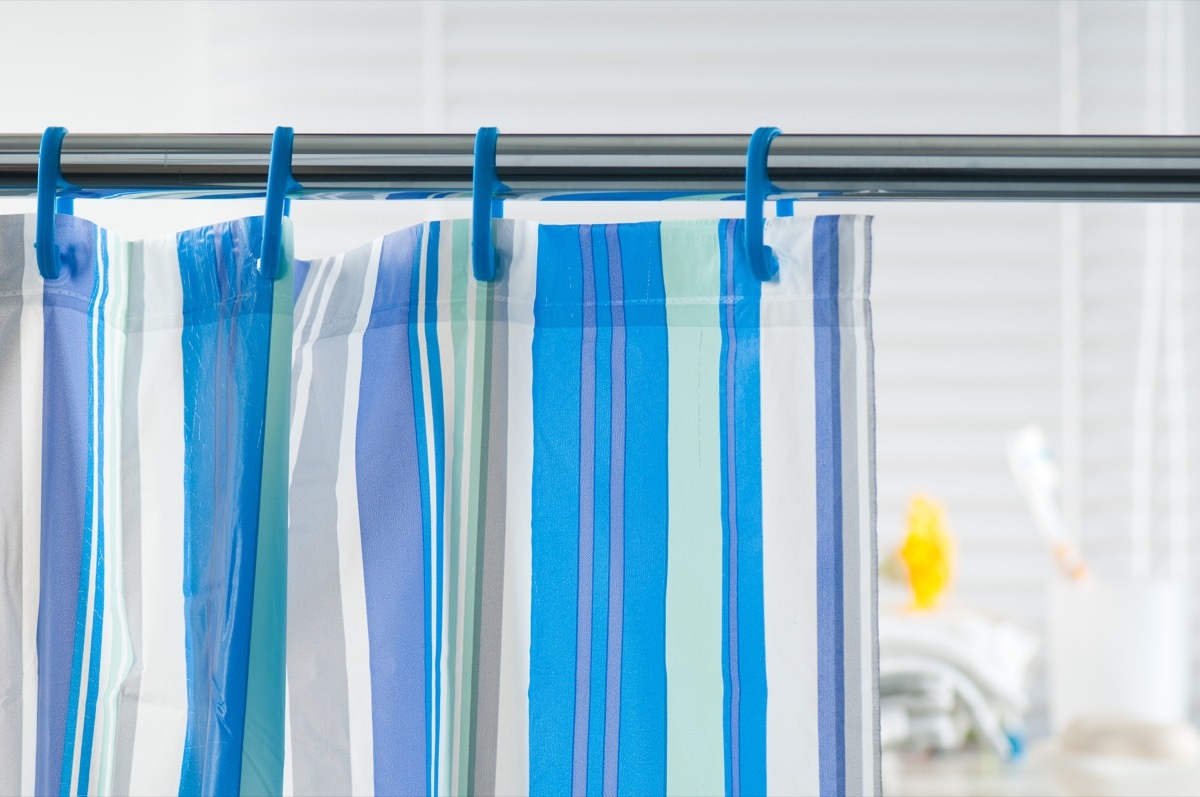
<point x="927" y="551"/>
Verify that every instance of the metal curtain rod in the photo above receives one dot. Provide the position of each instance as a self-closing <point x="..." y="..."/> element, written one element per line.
<point x="1129" y="168"/>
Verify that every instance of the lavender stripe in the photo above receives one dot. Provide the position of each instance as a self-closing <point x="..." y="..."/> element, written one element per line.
<point x="587" y="476"/>
<point x="616" y="534"/>
<point x="735" y="697"/>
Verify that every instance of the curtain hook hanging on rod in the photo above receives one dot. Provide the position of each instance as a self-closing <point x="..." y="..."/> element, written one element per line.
<point x="762" y="260"/>
<point x="49" y="182"/>
<point x="279" y="183"/>
<point x="485" y="184"/>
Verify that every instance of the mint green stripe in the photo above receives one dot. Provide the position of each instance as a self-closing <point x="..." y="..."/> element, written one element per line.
<point x="120" y="649"/>
<point x="262" y="748"/>
<point x="695" y="687"/>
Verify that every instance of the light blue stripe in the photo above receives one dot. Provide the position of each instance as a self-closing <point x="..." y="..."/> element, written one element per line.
<point x="557" y="338"/>
<point x="830" y="620"/>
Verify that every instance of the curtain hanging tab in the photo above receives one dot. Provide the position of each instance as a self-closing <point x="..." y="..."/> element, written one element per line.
<point x="279" y="183"/>
<point x="485" y="184"/>
<point x="50" y="181"/>
<point x="758" y="185"/>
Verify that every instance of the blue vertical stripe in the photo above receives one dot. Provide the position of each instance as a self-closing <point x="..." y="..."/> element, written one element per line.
<point x="438" y="482"/>
<point x="636" y="250"/>
<point x="394" y="523"/>
<point x="226" y="346"/>
<point x="430" y="621"/>
<point x="830" y="671"/>
<point x="557" y="338"/>
<point x="744" y="658"/>
<point x="752" y="650"/>
<point x="66" y="466"/>
<point x="96" y="502"/>
<point x="597" y="264"/>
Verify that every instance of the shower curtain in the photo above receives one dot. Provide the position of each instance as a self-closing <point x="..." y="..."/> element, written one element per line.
<point x="143" y="503"/>
<point x="605" y="525"/>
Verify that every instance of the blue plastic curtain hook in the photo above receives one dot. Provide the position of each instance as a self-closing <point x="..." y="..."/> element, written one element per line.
<point x="762" y="260"/>
<point x="49" y="182"/>
<point x="279" y="183"/>
<point x="485" y="184"/>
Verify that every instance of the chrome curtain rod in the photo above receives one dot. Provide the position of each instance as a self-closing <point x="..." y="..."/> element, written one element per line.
<point x="871" y="167"/>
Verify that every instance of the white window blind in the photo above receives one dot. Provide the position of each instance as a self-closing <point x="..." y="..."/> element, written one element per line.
<point x="968" y="298"/>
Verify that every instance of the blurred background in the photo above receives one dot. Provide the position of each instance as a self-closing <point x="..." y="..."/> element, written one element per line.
<point x="988" y="317"/>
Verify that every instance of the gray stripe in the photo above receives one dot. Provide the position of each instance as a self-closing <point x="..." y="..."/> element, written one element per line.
<point x="131" y="522"/>
<point x="852" y="557"/>
<point x="877" y="757"/>
<point x="12" y="268"/>
<point x="489" y="603"/>
<point x="316" y="641"/>
<point x="318" y="276"/>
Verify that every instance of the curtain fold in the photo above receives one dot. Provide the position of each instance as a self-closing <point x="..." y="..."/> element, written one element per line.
<point x="605" y="525"/>
<point x="143" y="500"/>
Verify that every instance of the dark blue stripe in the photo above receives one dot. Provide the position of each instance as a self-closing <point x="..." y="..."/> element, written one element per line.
<point x="602" y="375"/>
<point x="394" y="523"/>
<point x="557" y="338"/>
<point x="831" y="719"/>
<point x="66" y="461"/>
<point x="226" y="345"/>
<point x="642" y="762"/>
<point x="97" y="500"/>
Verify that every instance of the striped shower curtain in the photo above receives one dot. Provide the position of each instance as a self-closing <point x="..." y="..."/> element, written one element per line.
<point x="603" y="526"/>
<point x="143" y="512"/>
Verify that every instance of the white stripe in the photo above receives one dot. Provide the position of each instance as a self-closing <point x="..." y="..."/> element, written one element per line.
<point x="302" y="355"/>
<point x="447" y="764"/>
<point x="866" y="541"/>
<point x="350" y="556"/>
<point x="307" y="302"/>
<point x="789" y="503"/>
<point x="422" y="377"/>
<point x="117" y="648"/>
<point x="162" y="700"/>
<point x="289" y="786"/>
<point x="32" y="354"/>
<point x="518" y="288"/>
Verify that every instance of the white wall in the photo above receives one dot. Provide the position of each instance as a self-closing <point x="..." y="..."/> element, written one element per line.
<point x="968" y="297"/>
